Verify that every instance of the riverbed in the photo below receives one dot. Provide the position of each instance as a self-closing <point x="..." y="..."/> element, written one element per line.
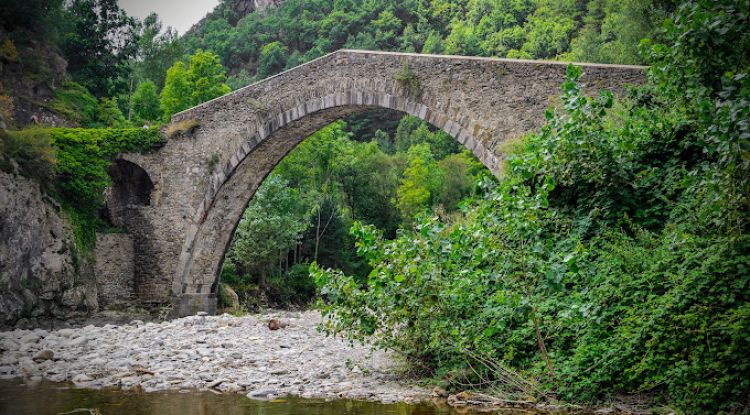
<point x="221" y="354"/>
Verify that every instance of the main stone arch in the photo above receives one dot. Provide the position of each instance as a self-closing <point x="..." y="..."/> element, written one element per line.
<point x="203" y="180"/>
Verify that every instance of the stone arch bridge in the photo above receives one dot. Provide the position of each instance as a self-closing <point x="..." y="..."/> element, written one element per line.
<point x="182" y="202"/>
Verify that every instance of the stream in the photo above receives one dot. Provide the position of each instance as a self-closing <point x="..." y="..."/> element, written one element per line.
<point x="40" y="398"/>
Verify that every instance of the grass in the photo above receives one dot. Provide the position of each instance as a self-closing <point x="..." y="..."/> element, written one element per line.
<point x="407" y="79"/>
<point x="181" y="128"/>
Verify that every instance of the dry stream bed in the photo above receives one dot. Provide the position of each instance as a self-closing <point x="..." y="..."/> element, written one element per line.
<point x="202" y="354"/>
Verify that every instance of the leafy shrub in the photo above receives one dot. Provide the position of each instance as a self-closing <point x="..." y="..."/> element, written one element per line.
<point x="32" y="153"/>
<point x="294" y="287"/>
<point x="110" y="115"/>
<point x="407" y="79"/>
<point x="76" y="103"/>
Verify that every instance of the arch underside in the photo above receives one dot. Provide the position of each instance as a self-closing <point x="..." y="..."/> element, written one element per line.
<point x="229" y="191"/>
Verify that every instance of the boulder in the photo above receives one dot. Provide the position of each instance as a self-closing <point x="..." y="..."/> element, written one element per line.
<point x="229" y="298"/>
<point x="43" y="355"/>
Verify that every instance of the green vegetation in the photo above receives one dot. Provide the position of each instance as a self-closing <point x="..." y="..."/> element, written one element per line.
<point x="98" y="38"/>
<point x="30" y="155"/>
<point x="146" y="105"/>
<point x="187" y="86"/>
<point x="74" y="101"/>
<point x="407" y="79"/>
<point x="303" y="211"/>
<point x="612" y="258"/>
<point x="114" y="56"/>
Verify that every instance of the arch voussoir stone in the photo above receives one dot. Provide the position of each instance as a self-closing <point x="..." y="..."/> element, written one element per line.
<point x="481" y="102"/>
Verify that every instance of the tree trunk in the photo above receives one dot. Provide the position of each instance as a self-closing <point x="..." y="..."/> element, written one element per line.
<point x="317" y="235"/>
<point x="130" y="98"/>
<point x="542" y="347"/>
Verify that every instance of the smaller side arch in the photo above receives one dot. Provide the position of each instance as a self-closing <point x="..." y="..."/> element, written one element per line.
<point x="131" y="188"/>
<point x="131" y="184"/>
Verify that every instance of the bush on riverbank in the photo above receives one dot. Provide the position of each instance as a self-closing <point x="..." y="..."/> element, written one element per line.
<point x="612" y="258"/>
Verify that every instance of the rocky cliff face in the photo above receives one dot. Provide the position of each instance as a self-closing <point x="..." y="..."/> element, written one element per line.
<point x="235" y="10"/>
<point x="41" y="275"/>
<point x="27" y="84"/>
<point x="245" y="7"/>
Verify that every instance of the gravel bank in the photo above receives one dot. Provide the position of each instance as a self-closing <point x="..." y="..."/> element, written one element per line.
<point x="221" y="353"/>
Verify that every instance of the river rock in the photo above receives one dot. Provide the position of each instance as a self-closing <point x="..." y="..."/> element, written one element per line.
<point x="240" y="352"/>
<point x="81" y="378"/>
<point x="43" y="355"/>
<point x="262" y="394"/>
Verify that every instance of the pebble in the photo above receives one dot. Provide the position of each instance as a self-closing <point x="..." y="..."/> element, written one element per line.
<point x="223" y="353"/>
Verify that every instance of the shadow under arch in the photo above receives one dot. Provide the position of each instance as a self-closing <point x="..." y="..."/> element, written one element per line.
<point x="131" y="188"/>
<point x="230" y="190"/>
<point x="131" y="184"/>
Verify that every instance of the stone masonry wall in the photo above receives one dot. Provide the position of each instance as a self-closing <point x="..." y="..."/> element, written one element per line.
<point x="114" y="269"/>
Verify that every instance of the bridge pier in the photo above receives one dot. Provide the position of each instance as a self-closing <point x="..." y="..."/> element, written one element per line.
<point x="184" y="305"/>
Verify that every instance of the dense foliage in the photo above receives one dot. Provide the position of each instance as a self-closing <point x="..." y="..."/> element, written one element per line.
<point x="115" y="56"/>
<point x="300" y="30"/>
<point x="613" y="257"/>
<point x="189" y="85"/>
<point x="98" y="42"/>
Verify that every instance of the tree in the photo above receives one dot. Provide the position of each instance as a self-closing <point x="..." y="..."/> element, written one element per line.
<point x="40" y="17"/>
<point x="412" y="130"/>
<point x="158" y="49"/>
<point x="383" y="141"/>
<point x="272" y="59"/>
<point x="463" y="40"/>
<point x="187" y="86"/>
<point x="206" y="77"/>
<point x="177" y="93"/>
<point x="239" y="80"/>
<point x="100" y="40"/>
<point x="110" y="115"/>
<point x="548" y="33"/>
<point x="458" y="172"/>
<point x="418" y="184"/>
<point x="386" y="28"/>
<point x="145" y="103"/>
<point x="433" y="44"/>
<point x="270" y="227"/>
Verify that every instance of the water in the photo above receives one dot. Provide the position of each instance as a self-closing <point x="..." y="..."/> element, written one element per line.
<point x="41" y="398"/>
